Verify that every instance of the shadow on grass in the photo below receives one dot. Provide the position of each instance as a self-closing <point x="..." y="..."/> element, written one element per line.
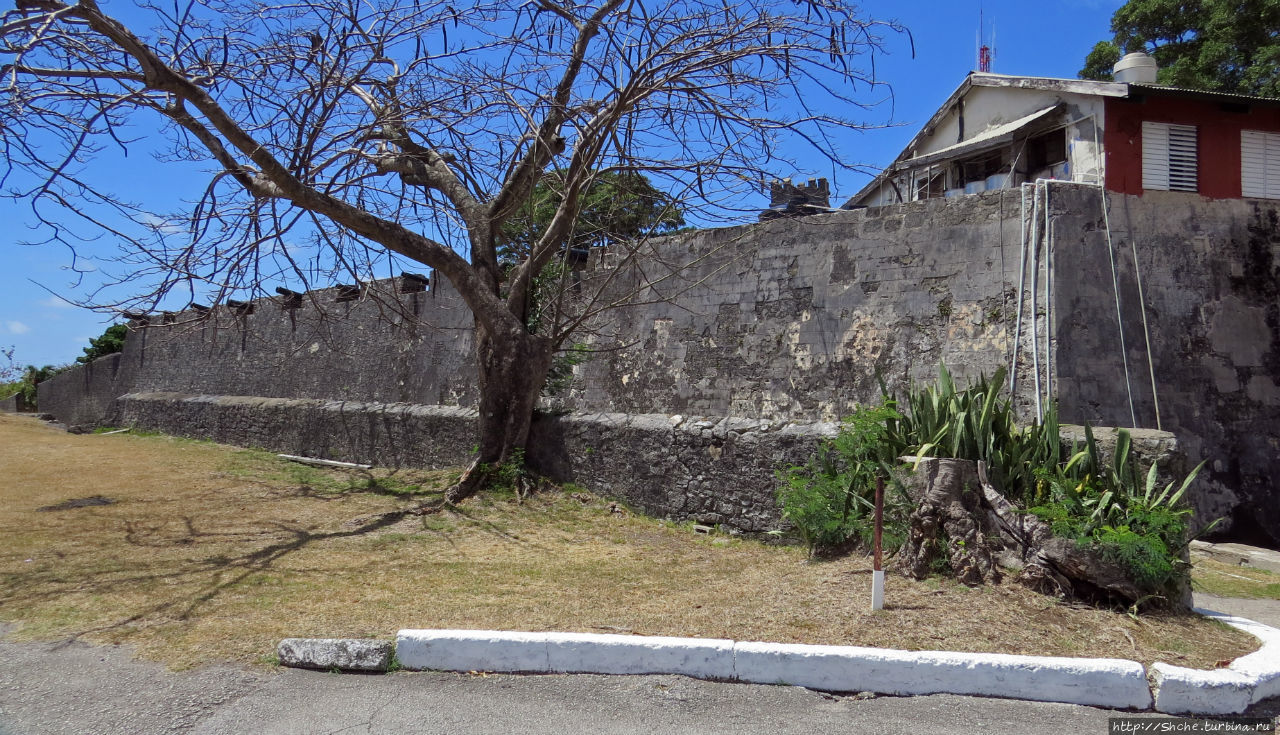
<point x="224" y="572"/>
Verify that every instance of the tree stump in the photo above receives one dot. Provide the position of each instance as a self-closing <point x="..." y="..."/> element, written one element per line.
<point x="963" y="523"/>
<point x="949" y="524"/>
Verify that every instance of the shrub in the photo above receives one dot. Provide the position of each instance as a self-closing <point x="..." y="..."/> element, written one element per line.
<point x="830" y="499"/>
<point x="977" y="423"/>
<point x="1102" y="505"/>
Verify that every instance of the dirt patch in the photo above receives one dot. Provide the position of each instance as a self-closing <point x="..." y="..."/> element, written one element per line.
<point x="215" y="553"/>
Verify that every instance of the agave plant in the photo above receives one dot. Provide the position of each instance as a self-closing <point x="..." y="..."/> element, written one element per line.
<point x="978" y="423"/>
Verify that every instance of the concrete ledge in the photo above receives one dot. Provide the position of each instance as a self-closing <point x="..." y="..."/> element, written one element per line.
<point x="1240" y="555"/>
<point x="1248" y="680"/>
<point x="1098" y="682"/>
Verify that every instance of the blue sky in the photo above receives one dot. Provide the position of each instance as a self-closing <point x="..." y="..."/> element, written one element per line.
<point x="1034" y="39"/>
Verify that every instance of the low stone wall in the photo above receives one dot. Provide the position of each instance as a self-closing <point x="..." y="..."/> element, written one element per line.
<point x="12" y="404"/>
<point x="713" y="471"/>
<point x="384" y="434"/>
<point x="708" y="471"/>
<point x="85" y="395"/>
<point x="687" y="468"/>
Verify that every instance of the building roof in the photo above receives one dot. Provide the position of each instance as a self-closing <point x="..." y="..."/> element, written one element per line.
<point x="1139" y="90"/>
<point x="990" y="137"/>
<point x="993" y="135"/>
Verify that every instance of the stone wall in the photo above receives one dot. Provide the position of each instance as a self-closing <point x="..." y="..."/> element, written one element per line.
<point x="788" y="320"/>
<point x="799" y="321"/>
<point x="716" y="471"/>
<point x="384" y="346"/>
<point x="12" y="404"/>
<point x="1210" y="279"/>
<point x="85" y="395"/>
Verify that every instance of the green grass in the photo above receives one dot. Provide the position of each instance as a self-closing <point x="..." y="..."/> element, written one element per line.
<point x="1224" y="580"/>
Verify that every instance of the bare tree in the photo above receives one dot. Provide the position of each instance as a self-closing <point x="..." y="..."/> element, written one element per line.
<point x="9" y="369"/>
<point x="341" y="132"/>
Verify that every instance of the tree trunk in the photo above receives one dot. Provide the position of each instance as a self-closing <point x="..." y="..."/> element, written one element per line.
<point x="947" y="525"/>
<point x="963" y="522"/>
<point x="1052" y="564"/>
<point x="512" y="367"/>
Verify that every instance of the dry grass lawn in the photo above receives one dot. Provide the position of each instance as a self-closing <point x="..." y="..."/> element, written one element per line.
<point x="213" y="553"/>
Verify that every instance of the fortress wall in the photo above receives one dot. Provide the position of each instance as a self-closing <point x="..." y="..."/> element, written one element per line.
<point x="798" y="321"/>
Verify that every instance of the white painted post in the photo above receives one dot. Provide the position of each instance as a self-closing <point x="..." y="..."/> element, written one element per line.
<point x="877" y="575"/>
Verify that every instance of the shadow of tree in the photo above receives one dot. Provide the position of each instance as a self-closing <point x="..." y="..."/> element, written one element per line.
<point x="214" y="574"/>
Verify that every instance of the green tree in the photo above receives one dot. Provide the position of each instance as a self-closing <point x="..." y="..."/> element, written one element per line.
<point x="111" y="342"/>
<point x="616" y="206"/>
<point x="1215" y="45"/>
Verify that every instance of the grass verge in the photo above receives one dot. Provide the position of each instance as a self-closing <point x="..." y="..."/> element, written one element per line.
<point x="1226" y="580"/>
<point x="213" y="553"/>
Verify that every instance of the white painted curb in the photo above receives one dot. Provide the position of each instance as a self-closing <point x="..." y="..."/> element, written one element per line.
<point x="563" y="653"/>
<point x="1248" y="680"/>
<point x="472" y="650"/>
<point x="631" y="654"/>
<point x="1112" y="683"/>
<point x="1097" y="682"/>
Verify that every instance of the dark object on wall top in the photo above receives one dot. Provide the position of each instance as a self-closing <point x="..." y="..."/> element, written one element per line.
<point x="788" y="200"/>
<point x="241" y="308"/>
<point x="291" y="300"/>
<point x="413" y="282"/>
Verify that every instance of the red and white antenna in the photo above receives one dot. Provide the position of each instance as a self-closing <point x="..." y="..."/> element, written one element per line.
<point x="986" y="49"/>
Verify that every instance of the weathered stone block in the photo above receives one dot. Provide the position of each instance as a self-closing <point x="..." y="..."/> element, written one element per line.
<point x="346" y="654"/>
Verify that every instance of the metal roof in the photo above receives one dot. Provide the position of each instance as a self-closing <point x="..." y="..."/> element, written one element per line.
<point x="992" y="136"/>
<point x="1138" y="90"/>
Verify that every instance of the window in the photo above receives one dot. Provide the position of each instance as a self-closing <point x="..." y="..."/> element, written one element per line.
<point x="1045" y="150"/>
<point x="980" y="167"/>
<point x="1169" y="157"/>
<point x="930" y="185"/>
<point x="1259" y="164"/>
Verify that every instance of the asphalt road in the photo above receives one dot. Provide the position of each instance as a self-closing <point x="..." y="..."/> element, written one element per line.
<point x="1266" y="612"/>
<point x="73" y="688"/>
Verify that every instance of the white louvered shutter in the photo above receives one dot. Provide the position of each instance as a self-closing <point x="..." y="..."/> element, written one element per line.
<point x="1259" y="164"/>
<point x="1169" y="157"/>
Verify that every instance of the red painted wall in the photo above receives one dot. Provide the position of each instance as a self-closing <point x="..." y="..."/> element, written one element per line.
<point x="1218" y="140"/>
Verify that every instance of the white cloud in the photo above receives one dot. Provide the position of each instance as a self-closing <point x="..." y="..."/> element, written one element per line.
<point x="57" y="303"/>
<point x="17" y="327"/>
<point x="164" y="225"/>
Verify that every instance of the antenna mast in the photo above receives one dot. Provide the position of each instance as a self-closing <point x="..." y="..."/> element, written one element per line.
<point x="986" y="51"/>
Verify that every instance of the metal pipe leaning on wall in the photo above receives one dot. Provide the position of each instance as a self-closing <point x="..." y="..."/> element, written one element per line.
<point x="1043" y="230"/>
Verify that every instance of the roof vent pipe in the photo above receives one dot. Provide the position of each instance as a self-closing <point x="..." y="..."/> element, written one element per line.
<point x="1136" y="68"/>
